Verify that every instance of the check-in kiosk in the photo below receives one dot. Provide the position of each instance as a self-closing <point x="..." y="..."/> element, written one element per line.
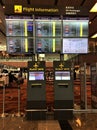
<point x="63" y="90"/>
<point x="36" y="91"/>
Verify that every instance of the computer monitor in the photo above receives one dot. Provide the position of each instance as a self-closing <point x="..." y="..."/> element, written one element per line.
<point x="62" y="75"/>
<point x="37" y="75"/>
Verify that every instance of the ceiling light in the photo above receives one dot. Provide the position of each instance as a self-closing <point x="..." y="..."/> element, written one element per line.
<point x="3" y="6"/>
<point x="94" y="8"/>
<point x="90" y="22"/>
<point x="94" y="36"/>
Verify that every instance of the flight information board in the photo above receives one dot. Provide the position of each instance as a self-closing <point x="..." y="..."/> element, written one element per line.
<point x="19" y="27"/>
<point x="19" y="45"/>
<point x="48" y="45"/>
<point x="45" y="34"/>
<point x="75" y="45"/>
<point x="48" y="28"/>
<point x="75" y="28"/>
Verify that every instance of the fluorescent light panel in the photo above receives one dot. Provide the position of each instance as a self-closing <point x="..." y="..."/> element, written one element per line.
<point x="94" y="8"/>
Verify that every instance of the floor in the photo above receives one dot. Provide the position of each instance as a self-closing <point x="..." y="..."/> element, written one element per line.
<point x="81" y="121"/>
<point x="84" y="121"/>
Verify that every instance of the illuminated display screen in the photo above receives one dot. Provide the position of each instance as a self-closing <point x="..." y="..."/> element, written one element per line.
<point x="49" y="28"/>
<point x="48" y="45"/>
<point x="36" y="75"/>
<point x="75" y="45"/>
<point x="19" y="45"/>
<point x="75" y="28"/>
<point x="47" y="34"/>
<point x="62" y="75"/>
<point x="19" y="27"/>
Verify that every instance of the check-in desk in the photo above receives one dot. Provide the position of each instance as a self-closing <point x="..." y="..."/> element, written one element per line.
<point x="63" y="90"/>
<point x="36" y="91"/>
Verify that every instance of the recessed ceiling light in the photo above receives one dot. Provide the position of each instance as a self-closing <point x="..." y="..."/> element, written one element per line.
<point x="94" y="8"/>
<point x="94" y="36"/>
<point x="3" y="7"/>
<point x="90" y="22"/>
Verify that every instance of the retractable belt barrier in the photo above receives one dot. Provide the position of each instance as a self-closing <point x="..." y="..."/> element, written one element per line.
<point x="18" y="114"/>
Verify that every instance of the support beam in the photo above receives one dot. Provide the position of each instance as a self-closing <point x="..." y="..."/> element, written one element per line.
<point x="55" y="2"/>
<point x="28" y="1"/>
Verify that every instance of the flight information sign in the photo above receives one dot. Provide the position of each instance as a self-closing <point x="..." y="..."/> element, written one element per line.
<point x="48" y="45"/>
<point x="75" y="28"/>
<point x="48" y="28"/>
<point x="75" y="45"/>
<point x="19" y="45"/>
<point x="19" y="27"/>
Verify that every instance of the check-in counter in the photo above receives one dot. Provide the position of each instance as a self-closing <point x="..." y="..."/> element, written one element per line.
<point x="36" y="91"/>
<point x="63" y="90"/>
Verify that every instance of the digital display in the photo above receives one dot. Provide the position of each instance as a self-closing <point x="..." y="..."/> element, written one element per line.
<point x="19" y="27"/>
<point x="29" y="31"/>
<point x="36" y="75"/>
<point x="48" y="45"/>
<point x="75" y="28"/>
<point x="19" y="45"/>
<point x="48" y="28"/>
<point x="75" y="45"/>
<point x="62" y="75"/>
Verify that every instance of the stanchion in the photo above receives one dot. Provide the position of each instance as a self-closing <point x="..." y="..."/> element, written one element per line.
<point x="18" y="114"/>
<point x="3" y="114"/>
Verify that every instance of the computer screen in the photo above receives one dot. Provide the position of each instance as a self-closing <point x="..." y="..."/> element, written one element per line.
<point x="75" y="45"/>
<point x="37" y="75"/>
<point x="18" y="45"/>
<point x="48" y="45"/>
<point x="62" y="75"/>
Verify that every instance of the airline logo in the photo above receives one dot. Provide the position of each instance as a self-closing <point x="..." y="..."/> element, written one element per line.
<point x="17" y="8"/>
<point x="61" y="66"/>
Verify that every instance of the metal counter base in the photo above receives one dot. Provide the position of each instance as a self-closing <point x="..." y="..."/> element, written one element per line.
<point x="43" y="114"/>
<point x="36" y="114"/>
<point x="62" y="114"/>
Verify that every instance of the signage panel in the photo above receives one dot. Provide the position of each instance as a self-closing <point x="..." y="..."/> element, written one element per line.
<point x="63" y="10"/>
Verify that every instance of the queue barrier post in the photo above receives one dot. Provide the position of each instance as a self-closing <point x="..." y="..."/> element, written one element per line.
<point x="3" y="112"/>
<point x="19" y="113"/>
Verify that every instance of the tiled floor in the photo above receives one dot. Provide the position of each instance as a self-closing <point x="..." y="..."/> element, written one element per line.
<point x="81" y="121"/>
<point x="19" y="123"/>
<point x="84" y="121"/>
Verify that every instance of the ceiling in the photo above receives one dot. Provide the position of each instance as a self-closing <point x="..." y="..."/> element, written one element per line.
<point x="53" y="3"/>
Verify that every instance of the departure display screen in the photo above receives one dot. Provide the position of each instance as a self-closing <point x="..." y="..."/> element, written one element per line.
<point x="19" y="45"/>
<point x="19" y="27"/>
<point x="75" y="45"/>
<point x="75" y="28"/>
<point x="48" y="28"/>
<point x="48" y="45"/>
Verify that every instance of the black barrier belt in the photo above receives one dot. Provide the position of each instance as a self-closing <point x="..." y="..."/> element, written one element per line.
<point x="64" y="124"/>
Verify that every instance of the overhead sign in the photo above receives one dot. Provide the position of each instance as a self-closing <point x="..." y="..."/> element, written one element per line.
<point x="65" y="10"/>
